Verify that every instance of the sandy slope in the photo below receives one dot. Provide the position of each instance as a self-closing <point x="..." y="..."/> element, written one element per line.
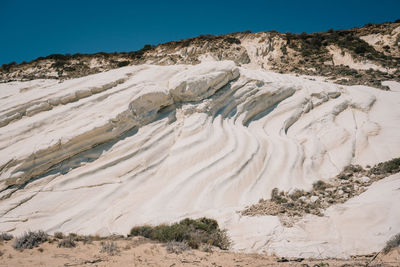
<point x="137" y="252"/>
<point x="152" y="144"/>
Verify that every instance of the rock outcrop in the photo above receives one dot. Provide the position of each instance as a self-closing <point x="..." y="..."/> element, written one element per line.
<point x="368" y="55"/>
<point x="151" y="144"/>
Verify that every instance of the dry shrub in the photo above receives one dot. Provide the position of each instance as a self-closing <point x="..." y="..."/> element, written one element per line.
<point x="320" y="185"/>
<point x="110" y="248"/>
<point x="394" y="242"/>
<point x="176" y="247"/>
<point x="391" y="166"/>
<point x="6" y="236"/>
<point x="58" y="235"/>
<point x="30" y="240"/>
<point x="67" y="242"/>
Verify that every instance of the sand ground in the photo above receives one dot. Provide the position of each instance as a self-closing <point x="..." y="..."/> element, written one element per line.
<point x="142" y="252"/>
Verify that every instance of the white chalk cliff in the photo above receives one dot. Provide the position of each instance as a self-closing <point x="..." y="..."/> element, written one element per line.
<point x="152" y="144"/>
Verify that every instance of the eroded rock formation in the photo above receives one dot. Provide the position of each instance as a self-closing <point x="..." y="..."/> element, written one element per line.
<point x="150" y="144"/>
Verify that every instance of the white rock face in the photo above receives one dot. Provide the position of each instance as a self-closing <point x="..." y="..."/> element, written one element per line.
<point x="202" y="81"/>
<point x="152" y="144"/>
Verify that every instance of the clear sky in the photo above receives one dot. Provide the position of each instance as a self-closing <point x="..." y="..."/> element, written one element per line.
<point x="33" y="28"/>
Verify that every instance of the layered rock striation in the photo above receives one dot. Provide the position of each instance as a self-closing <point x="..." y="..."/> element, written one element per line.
<point x="152" y="144"/>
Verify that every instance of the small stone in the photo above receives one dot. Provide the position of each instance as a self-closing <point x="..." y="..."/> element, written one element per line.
<point x="340" y="192"/>
<point x="364" y="179"/>
<point x="313" y="199"/>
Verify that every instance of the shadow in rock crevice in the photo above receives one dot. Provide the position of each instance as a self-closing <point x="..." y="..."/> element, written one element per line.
<point x="255" y="98"/>
<point x="261" y="114"/>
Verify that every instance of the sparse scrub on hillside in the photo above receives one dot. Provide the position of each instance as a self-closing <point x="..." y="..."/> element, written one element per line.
<point x="123" y="63"/>
<point x="194" y="232"/>
<point x="313" y="48"/>
<point x="59" y="57"/>
<point x="232" y="40"/>
<point x="7" y="67"/>
<point x="391" y="166"/>
<point x="320" y="185"/>
<point x="352" y="181"/>
<point x="277" y="197"/>
<point x="86" y="239"/>
<point x="314" y="57"/>
<point x="6" y="236"/>
<point x="59" y="64"/>
<point x="67" y="242"/>
<point x="297" y="194"/>
<point x="58" y="235"/>
<point x="176" y="247"/>
<point x="147" y="47"/>
<point x="109" y="247"/>
<point x="392" y="243"/>
<point x="307" y="54"/>
<point x="30" y="240"/>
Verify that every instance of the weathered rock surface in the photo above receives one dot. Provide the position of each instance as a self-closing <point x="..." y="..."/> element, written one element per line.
<point x="151" y="144"/>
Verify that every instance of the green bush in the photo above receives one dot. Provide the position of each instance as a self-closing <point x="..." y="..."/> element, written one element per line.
<point x="391" y="166"/>
<point x="360" y="49"/>
<point x="193" y="232"/>
<point x="232" y="40"/>
<point x="123" y="63"/>
<point x="59" y="64"/>
<point x="145" y="231"/>
<point x="147" y="47"/>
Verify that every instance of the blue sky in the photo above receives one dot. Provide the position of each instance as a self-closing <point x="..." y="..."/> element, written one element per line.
<point x="30" y="29"/>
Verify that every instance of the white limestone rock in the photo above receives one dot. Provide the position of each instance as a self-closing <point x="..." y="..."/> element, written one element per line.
<point x="364" y="179"/>
<point x="155" y="144"/>
<point x="202" y="81"/>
